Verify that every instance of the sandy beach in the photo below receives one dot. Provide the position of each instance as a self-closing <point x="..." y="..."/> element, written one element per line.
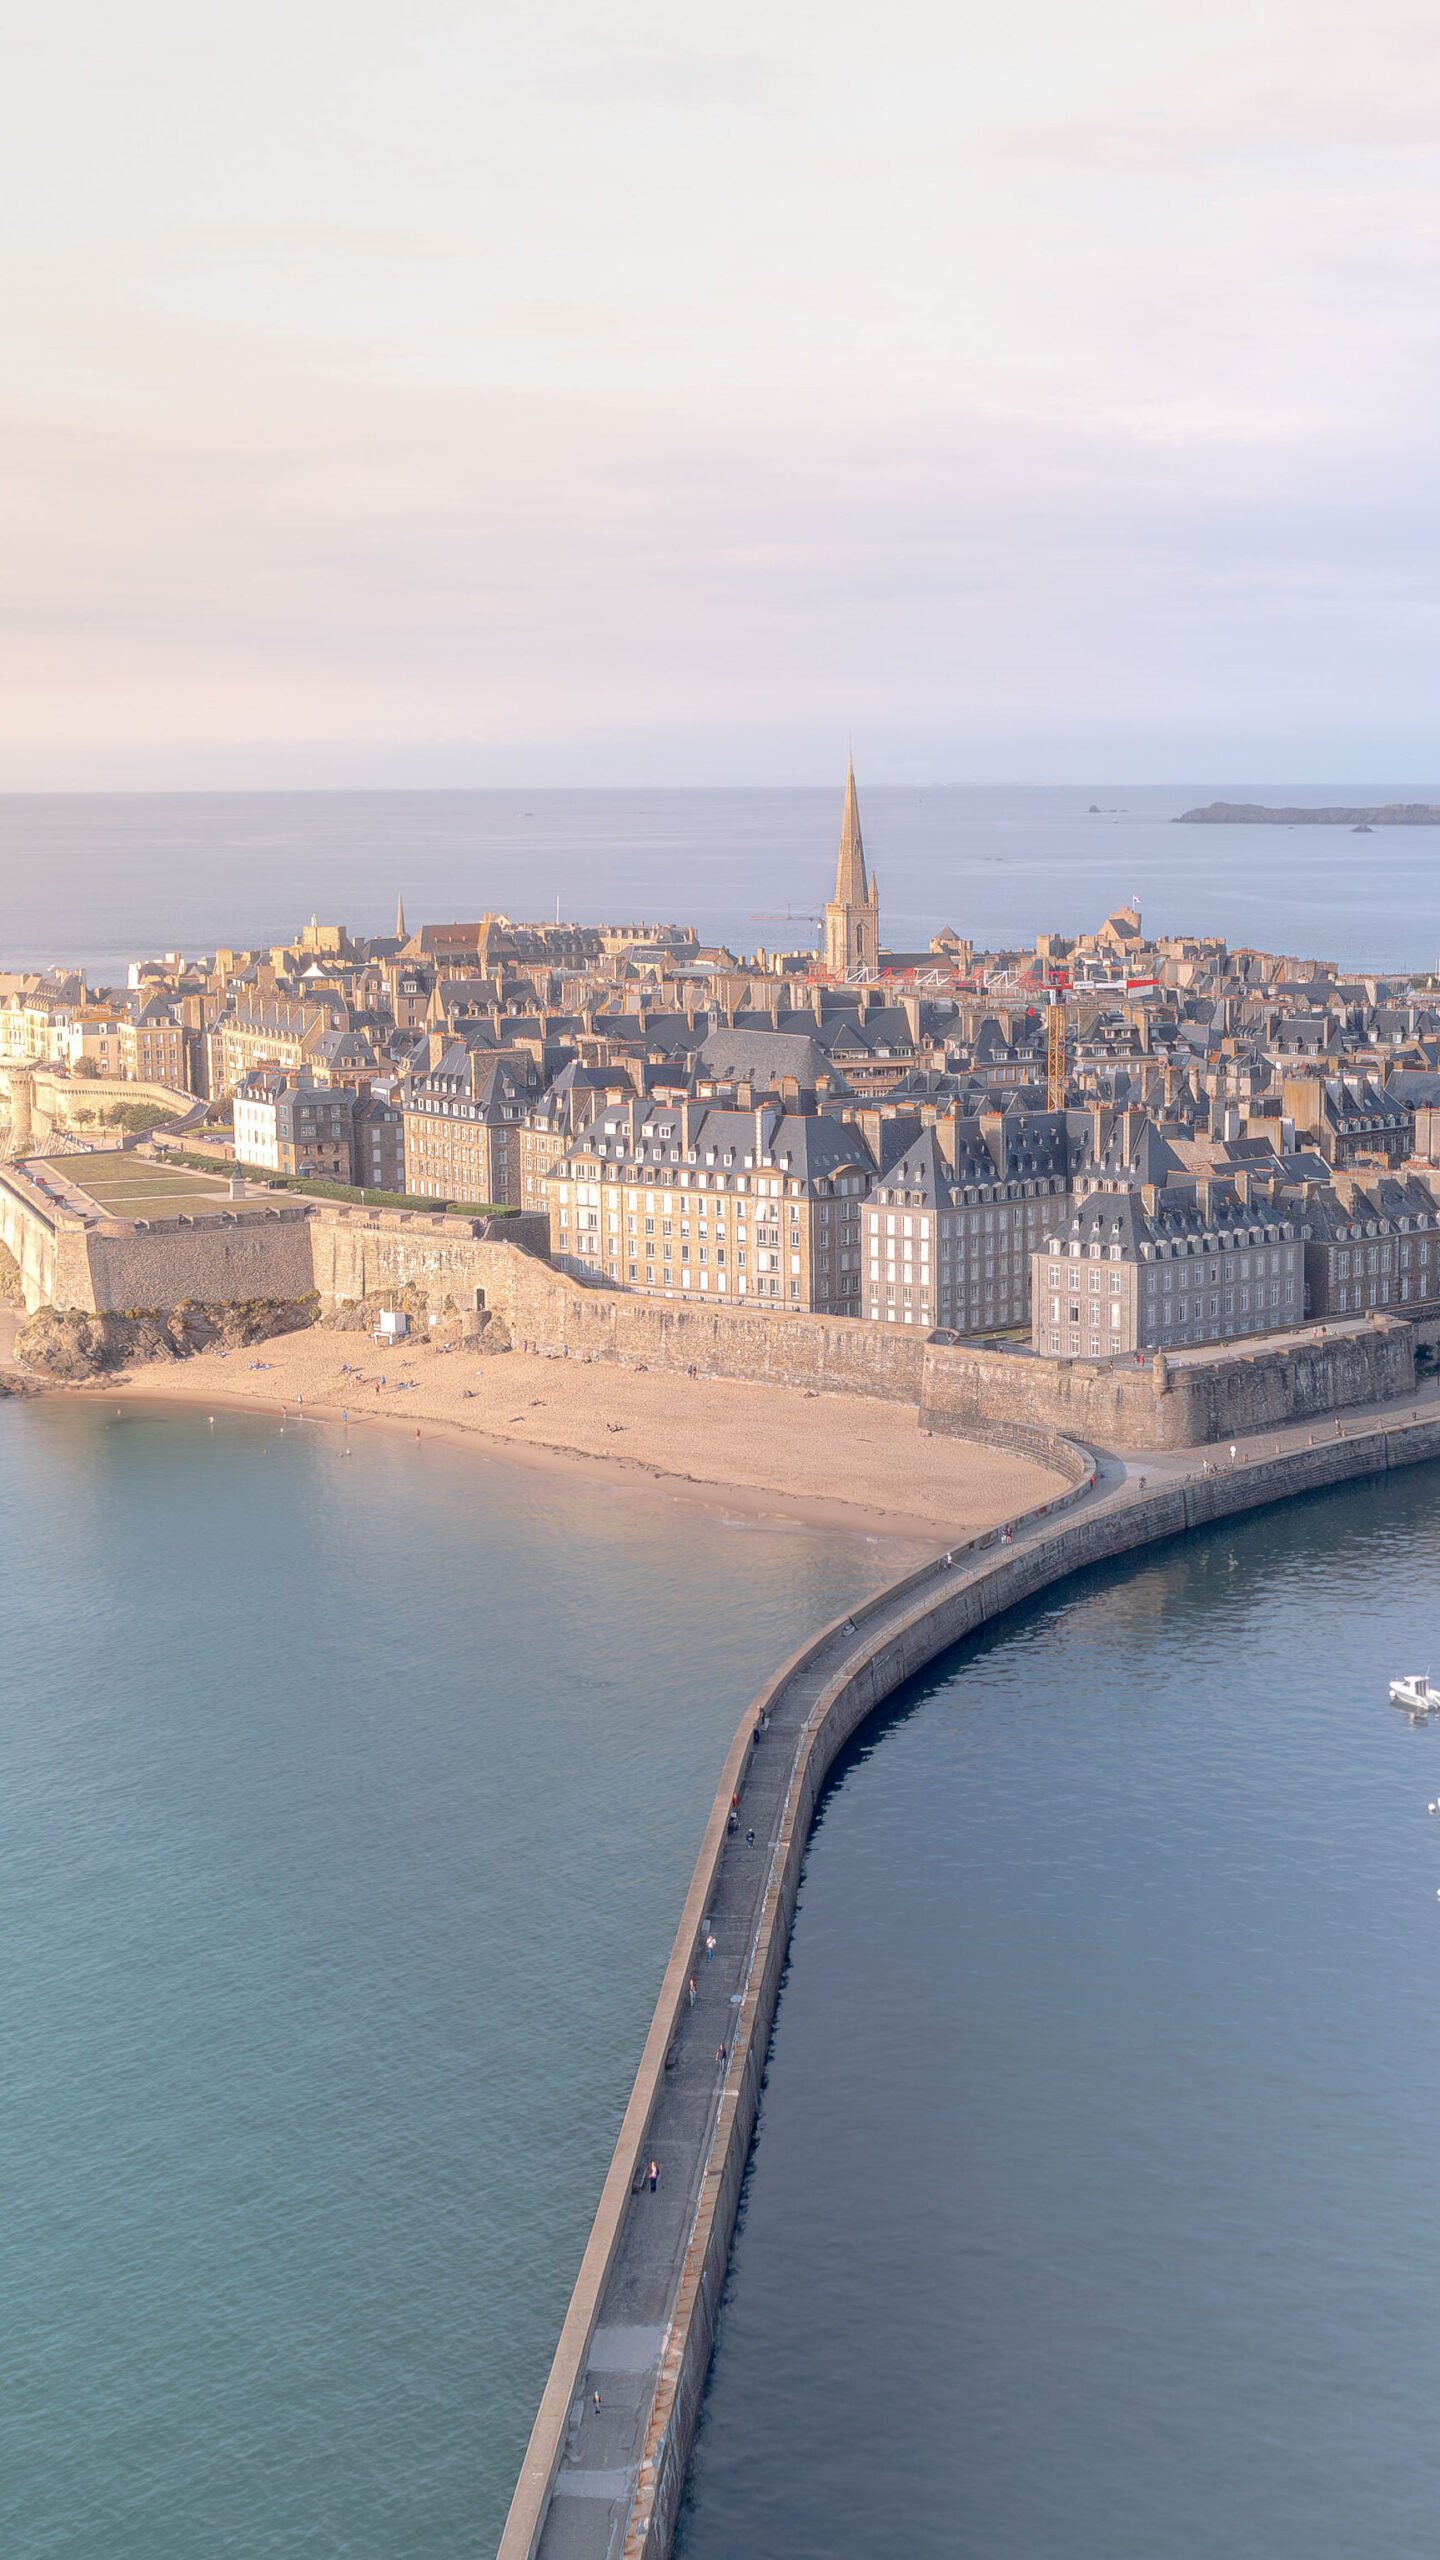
<point x="844" y="1461"/>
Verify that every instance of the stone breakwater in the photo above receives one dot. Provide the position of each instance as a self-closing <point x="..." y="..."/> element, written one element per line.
<point x="604" y="2475"/>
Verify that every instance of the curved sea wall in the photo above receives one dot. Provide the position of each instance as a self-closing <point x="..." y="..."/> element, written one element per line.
<point x="607" y="2475"/>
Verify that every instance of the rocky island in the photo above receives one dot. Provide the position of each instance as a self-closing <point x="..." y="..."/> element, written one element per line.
<point x="1251" y="813"/>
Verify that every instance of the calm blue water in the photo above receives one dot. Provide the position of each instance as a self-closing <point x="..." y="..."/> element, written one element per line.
<point x="111" y="877"/>
<point x="346" y="1808"/>
<point x="1092" y="2215"/>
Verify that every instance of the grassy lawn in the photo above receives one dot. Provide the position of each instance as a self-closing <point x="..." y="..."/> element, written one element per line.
<point x="124" y="1186"/>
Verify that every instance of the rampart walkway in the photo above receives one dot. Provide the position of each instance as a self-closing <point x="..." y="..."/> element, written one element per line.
<point x="603" y="2482"/>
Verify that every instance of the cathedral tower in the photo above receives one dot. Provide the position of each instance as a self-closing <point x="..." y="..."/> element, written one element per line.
<point x="852" y="919"/>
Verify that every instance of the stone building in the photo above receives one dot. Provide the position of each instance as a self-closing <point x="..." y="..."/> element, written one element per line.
<point x="952" y="1223"/>
<point x="462" y="1120"/>
<point x="1160" y="1266"/>
<point x="1347" y="1119"/>
<point x="286" y="1125"/>
<point x="379" y="1140"/>
<point x="566" y="1106"/>
<point x="760" y="1205"/>
<point x="1372" y="1244"/>
<point x="154" y="1046"/>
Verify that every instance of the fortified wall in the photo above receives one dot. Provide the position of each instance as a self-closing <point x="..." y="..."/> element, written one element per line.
<point x="956" y="1387"/>
<point x="232" y="1256"/>
<point x="289" y="1249"/>
<point x="37" y="1100"/>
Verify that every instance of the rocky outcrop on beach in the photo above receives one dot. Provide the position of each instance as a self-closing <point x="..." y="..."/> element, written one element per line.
<point x="70" y="1345"/>
<point x="1252" y="813"/>
<point x="436" y="1321"/>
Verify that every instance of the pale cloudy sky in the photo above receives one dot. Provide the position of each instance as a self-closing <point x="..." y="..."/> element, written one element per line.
<point x="448" y="392"/>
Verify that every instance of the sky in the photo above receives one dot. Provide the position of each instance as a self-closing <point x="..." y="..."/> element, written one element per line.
<point x="456" y="393"/>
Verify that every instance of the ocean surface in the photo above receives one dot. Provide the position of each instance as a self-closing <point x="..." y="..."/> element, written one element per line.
<point x="346" y="1809"/>
<point x="107" y="878"/>
<point x="1092" y="2214"/>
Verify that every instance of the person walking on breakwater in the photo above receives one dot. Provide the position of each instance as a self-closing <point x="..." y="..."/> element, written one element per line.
<point x="653" y="2174"/>
<point x="711" y="1944"/>
<point x="690" y="1988"/>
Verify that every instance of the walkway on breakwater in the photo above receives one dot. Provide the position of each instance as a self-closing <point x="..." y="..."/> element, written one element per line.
<point x="602" y="2478"/>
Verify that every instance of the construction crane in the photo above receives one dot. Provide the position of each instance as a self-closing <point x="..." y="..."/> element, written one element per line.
<point x="1057" y="1048"/>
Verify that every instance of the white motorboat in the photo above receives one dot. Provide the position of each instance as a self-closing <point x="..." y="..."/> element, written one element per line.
<point x="1415" y="1694"/>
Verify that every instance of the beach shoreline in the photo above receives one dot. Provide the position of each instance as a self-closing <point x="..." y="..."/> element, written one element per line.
<point x="757" y="1452"/>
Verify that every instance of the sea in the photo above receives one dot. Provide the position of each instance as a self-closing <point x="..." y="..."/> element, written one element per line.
<point x="347" y="1806"/>
<point x="1092" y="2210"/>
<point x="103" y="879"/>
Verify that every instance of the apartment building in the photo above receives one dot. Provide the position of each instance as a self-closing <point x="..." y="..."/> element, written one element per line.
<point x="378" y="1140"/>
<point x="1372" y="1244"/>
<point x="1164" y="1266"/>
<point x="285" y="1125"/>
<point x="462" y="1117"/>
<point x="952" y="1224"/>
<point x="269" y="1032"/>
<point x="760" y="1206"/>
<point x="154" y="1048"/>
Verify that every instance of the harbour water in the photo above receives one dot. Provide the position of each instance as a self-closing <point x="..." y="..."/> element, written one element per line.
<point x="152" y="872"/>
<point x="1091" y="2215"/>
<point x="346" y="1807"/>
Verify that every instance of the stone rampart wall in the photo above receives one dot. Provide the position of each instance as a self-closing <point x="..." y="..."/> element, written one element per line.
<point x="955" y="1386"/>
<point x="29" y="1230"/>
<point x="214" y="1260"/>
<point x="1164" y="1407"/>
<point x="347" y="1254"/>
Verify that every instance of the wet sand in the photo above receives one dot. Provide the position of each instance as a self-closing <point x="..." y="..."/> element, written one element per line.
<point x="834" y="1460"/>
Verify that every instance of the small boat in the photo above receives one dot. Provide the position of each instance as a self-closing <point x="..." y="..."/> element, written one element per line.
<point x="1415" y="1694"/>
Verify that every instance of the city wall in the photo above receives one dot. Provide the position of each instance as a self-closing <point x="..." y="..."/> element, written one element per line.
<point x="38" y="1100"/>
<point x="215" y="1260"/>
<point x="955" y="1387"/>
<point x="897" y="1634"/>
<point x="346" y="1254"/>
<point x="30" y="1232"/>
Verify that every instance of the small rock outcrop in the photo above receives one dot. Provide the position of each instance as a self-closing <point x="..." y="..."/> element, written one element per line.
<point x="435" y="1321"/>
<point x="70" y="1345"/>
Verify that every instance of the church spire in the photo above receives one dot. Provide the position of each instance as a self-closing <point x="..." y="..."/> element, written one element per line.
<point x="400" y="933"/>
<point x="851" y="886"/>
<point x="852" y="918"/>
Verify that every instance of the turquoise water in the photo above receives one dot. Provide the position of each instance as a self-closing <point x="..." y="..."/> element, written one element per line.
<point x="1092" y="2214"/>
<point x="345" y="1812"/>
